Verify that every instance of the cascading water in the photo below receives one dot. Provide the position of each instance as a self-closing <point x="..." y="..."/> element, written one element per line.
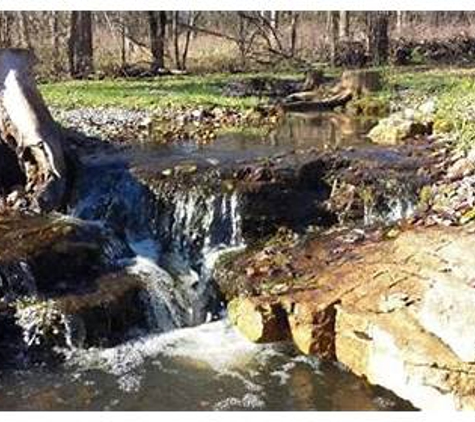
<point x="198" y="226"/>
<point x="176" y="239"/>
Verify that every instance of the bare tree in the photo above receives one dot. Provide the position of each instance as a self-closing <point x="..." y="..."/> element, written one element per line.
<point x="157" y="26"/>
<point x="6" y="24"/>
<point x="378" y="37"/>
<point x="80" y="44"/>
<point x="293" y="32"/>
<point x="333" y="31"/>
<point x="25" y="30"/>
<point x="344" y="25"/>
<point x="401" y="19"/>
<point x="54" y="29"/>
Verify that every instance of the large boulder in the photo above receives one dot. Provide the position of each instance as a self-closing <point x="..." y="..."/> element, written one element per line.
<point x="398" y="127"/>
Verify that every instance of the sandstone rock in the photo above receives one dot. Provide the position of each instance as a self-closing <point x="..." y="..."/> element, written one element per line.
<point x="258" y="320"/>
<point x="398" y="312"/>
<point x="461" y="168"/>
<point x="313" y="329"/>
<point x="448" y="311"/>
<point x="395" y="352"/>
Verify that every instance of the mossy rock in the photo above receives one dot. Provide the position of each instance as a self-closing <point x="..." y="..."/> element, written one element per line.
<point x="396" y="128"/>
<point x="443" y="126"/>
<point x="369" y="107"/>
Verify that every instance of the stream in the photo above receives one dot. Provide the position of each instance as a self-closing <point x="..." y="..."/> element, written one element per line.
<point x="164" y="343"/>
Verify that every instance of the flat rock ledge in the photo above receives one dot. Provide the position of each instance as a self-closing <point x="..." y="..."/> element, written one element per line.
<point x="399" y="312"/>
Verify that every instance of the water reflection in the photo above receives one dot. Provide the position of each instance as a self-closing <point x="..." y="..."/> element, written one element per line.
<point x="321" y="130"/>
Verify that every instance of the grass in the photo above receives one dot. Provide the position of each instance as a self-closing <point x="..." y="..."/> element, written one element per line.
<point x="151" y="93"/>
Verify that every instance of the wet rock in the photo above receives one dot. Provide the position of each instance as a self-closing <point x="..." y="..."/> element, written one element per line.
<point x="108" y="314"/>
<point x="56" y="255"/>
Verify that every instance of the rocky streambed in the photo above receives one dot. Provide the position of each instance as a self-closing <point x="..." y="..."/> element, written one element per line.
<point x="304" y="226"/>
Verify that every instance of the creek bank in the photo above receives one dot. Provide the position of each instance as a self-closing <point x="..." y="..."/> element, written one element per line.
<point x="201" y="124"/>
<point x="187" y="209"/>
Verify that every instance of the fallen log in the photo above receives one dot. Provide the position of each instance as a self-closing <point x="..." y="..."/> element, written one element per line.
<point x="301" y="104"/>
<point x="28" y="129"/>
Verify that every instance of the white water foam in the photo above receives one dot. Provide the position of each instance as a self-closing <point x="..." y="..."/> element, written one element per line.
<point x="217" y="345"/>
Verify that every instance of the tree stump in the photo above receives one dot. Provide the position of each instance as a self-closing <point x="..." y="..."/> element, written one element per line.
<point x="353" y="83"/>
<point x="313" y="79"/>
<point x="362" y="81"/>
<point x="29" y="131"/>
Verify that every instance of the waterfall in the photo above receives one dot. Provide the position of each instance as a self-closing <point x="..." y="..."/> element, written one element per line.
<point x="199" y="227"/>
<point x="175" y="235"/>
<point x="201" y="221"/>
<point x="161" y="296"/>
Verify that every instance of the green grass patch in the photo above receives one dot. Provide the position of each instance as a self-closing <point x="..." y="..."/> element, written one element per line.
<point x="151" y="93"/>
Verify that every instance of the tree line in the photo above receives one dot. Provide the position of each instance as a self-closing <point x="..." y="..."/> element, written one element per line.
<point x="71" y="42"/>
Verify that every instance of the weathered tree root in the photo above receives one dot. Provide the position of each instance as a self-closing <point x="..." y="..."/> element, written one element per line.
<point x="28" y="129"/>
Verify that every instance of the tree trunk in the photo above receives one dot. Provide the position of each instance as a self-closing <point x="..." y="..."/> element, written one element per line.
<point x="123" y="40"/>
<point x="378" y="37"/>
<point x="6" y="23"/>
<point x="333" y="27"/>
<point x="157" y="24"/>
<point x="176" y="38"/>
<point x="274" y="19"/>
<point x="54" y="30"/>
<point x="25" y="30"/>
<point x="344" y="25"/>
<point x="27" y="129"/>
<point x="401" y="22"/>
<point x="80" y="44"/>
<point x="293" y="32"/>
<point x="192" y="16"/>
<point x="242" y="41"/>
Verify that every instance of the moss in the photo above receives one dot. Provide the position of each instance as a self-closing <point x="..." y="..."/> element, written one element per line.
<point x="443" y="126"/>
<point x="370" y="106"/>
<point x="426" y="197"/>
